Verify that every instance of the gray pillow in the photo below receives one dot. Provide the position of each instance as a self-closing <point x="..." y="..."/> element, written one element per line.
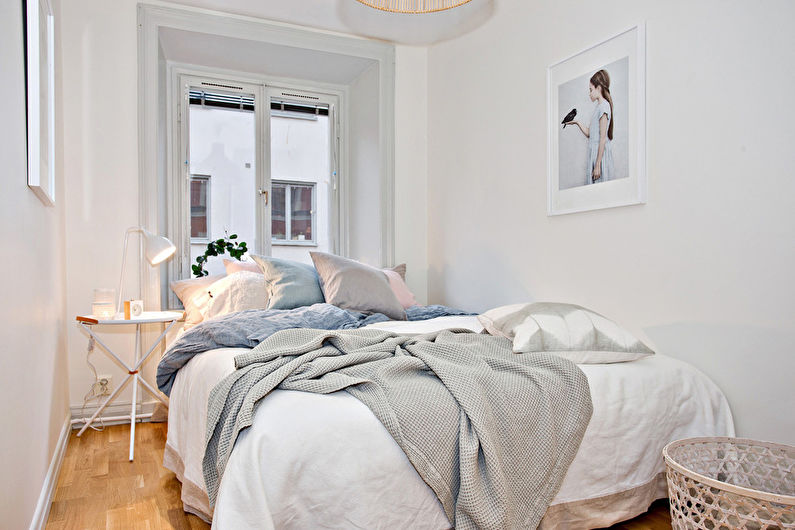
<point x="289" y="284"/>
<point x="352" y="285"/>
<point x="567" y="330"/>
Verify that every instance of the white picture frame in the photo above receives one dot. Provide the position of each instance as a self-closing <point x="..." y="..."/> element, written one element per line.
<point x="40" y="68"/>
<point x="571" y="155"/>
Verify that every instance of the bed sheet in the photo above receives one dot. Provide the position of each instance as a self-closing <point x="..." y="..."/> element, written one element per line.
<point x="321" y="460"/>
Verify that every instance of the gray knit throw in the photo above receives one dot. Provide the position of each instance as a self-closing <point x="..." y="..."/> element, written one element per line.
<point x="490" y="431"/>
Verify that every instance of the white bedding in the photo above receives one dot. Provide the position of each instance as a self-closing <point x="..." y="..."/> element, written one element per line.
<point x="324" y="461"/>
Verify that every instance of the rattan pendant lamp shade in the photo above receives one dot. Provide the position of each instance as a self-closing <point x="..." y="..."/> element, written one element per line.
<point x="413" y="6"/>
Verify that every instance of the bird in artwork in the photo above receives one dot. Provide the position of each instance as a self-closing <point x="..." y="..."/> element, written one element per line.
<point x="570" y="116"/>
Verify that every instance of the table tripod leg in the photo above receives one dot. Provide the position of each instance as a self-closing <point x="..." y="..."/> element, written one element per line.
<point x="135" y="391"/>
<point x="152" y="391"/>
<point x="132" y="415"/>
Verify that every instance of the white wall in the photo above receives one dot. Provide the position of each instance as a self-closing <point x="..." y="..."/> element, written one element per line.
<point x="411" y="166"/>
<point x="33" y="365"/>
<point x="364" y="168"/>
<point x="100" y="120"/>
<point x="704" y="270"/>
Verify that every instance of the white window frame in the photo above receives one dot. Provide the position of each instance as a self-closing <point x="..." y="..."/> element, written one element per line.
<point x="208" y="198"/>
<point x="288" y="213"/>
<point x="182" y="79"/>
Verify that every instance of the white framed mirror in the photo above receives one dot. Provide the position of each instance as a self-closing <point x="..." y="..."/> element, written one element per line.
<point x="40" y="67"/>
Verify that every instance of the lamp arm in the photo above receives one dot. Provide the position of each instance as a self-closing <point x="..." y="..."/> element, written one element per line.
<point x="124" y="265"/>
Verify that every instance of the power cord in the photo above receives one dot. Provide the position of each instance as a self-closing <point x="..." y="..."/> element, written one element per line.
<point x="93" y="394"/>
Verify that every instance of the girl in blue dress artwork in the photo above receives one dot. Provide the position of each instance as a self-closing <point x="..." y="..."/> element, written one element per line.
<point x="600" y="130"/>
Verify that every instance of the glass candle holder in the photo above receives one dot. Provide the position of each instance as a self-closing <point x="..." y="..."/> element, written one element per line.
<point x="104" y="305"/>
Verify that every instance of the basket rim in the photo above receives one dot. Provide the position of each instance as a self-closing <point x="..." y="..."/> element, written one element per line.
<point x="748" y="492"/>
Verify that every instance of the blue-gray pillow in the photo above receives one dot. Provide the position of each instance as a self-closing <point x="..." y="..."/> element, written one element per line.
<point x="289" y="284"/>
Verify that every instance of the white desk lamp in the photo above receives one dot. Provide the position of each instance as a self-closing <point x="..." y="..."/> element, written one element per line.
<point x="157" y="249"/>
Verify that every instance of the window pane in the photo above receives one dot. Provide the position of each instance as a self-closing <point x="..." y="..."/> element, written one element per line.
<point x="301" y="213"/>
<point x="198" y="208"/>
<point x="278" y="207"/>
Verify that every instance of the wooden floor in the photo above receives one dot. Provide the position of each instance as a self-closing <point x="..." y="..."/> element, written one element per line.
<point x="99" y="487"/>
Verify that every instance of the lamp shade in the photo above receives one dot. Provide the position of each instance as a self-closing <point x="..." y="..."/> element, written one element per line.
<point x="158" y="248"/>
<point x="413" y="6"/>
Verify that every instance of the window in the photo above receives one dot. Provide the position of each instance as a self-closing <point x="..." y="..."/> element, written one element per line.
<point x="199" y="207"/>
<point x="224" y="140"/>
<point x="293" y="213"/>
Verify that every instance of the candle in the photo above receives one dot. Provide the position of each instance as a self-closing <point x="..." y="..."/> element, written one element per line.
<point x="104" y="305"/>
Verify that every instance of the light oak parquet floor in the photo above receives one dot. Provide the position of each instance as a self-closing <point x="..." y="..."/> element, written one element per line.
<point x="99" y="488"/>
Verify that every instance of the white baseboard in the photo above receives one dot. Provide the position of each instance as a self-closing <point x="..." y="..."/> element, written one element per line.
<point x="51" y="479"/>
<point x="112" y="410"/>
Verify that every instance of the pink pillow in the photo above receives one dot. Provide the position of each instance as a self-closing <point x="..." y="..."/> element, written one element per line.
<point x="401" y="290"/>
<point x="232" y="266"/>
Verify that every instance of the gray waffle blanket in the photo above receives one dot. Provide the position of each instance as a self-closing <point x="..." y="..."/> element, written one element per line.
<point x="490" y="431"/>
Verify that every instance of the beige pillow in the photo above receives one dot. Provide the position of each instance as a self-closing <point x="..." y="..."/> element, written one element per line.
<point x="568" y="330"/>
<point x="236" y="292"/>
<point x="193" y="295"/>
<point x="353" y="285"/>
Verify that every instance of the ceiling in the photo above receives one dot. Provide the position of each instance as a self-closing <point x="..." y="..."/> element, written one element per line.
<point x="351" y="17"/>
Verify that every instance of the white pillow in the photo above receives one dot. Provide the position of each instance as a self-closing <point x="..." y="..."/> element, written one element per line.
<point x="236" y="292"/>
<point x="567" y="330"/>
<point x="192" y="292"/>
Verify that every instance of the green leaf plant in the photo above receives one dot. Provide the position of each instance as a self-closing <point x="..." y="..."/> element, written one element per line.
<point x="226" y="244"/>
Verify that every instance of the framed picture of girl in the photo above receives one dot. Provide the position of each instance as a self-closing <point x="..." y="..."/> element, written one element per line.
<point x="597" y="126"/>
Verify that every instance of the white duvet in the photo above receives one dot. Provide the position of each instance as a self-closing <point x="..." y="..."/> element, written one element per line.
<point x="324" y="461"/>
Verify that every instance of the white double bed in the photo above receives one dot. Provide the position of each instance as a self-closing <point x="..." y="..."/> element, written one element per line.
<point x="325" y="461"/>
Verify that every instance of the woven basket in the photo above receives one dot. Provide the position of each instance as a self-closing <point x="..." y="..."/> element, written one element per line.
<point x="728" y="483"/>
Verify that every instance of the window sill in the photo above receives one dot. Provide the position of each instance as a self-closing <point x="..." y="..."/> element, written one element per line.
<point x="293" y="243"/>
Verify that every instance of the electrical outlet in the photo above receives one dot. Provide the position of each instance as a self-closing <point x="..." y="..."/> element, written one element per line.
<point x="104" y="385"/>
